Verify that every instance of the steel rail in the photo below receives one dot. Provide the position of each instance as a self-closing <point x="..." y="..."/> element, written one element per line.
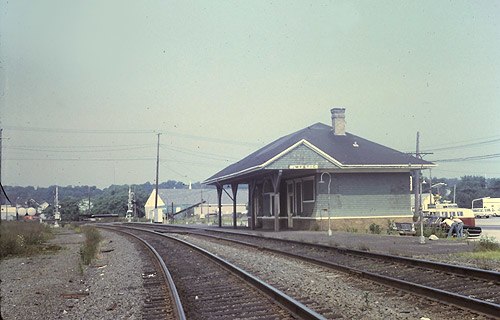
<point x="466" y="302"/>
<point x="174" y="295"/>
<point x="294" y="306"/>
<point x="459" y="270"/>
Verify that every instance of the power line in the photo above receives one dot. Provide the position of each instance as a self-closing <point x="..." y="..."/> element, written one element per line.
<point x="82" y="131"/>
<point x="472" y="158"/>
<point x="79" y="159"/>
<point x="465" y="145"/>
<point x="467" y="141"/>
<point x="469" y="172"/>
<point x="76" y="150"/>
<point x="108" y="131"/>
<point x="198" y="153"/>
<point x="86" y="146"/>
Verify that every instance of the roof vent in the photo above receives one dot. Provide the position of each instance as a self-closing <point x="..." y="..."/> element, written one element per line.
<point x="338" y="121"/>
<point x="355" y="144"/>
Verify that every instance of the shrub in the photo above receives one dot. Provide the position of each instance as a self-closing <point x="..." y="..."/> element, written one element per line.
<point x="90" y="248"/>
<point x="351" y="229"/>
<point x="428" y="230"/>
<point x="391" y="227"/>
<point x="375" y="228"/>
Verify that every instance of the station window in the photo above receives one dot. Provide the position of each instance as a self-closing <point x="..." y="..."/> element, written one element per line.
<point x="308" y="190"/>
<point x="268" y="204"/>
<point x="300" y="191"/>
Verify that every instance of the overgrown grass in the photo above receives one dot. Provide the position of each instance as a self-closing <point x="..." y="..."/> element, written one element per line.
<point x="486" y="254"/>
<point x="75" y="227"/>
<point x="488" y="244"/>
<point x="88" y="251"/>
<point x="21" y="238"/>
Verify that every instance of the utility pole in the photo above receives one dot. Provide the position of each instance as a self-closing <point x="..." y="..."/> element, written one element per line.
<point x="130" y="204"/>
<point x="89" y="203"/>
<point x="1" y="154"/>
<point x="1" y="191"/>
<point x="3" y="195"/>
<point x="157" y="173"/>
<point x="134" y="206"/>
<point x="418" y="192"/>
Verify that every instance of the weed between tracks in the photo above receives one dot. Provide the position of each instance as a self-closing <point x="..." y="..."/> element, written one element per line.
<point x="88" y="251"/>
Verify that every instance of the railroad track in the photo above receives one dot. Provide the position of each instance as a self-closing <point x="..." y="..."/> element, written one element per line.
<point x="469" y="288"/>
<point x="162" y="299"/>
<point x="209" y="287"/>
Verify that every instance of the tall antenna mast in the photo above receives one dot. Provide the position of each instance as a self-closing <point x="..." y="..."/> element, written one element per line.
<point x="57" y="215"/>
<point x="129" y="204"/>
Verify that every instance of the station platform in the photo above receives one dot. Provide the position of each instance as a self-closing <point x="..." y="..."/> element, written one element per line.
<point x="408" y="246"/>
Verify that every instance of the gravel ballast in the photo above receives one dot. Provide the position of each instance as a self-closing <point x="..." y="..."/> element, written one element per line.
<point x="57" y="286"/>
<point x="347" y="296"/>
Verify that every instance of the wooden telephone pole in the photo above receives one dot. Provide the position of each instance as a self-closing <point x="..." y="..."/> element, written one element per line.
<point x="157" y="174"/>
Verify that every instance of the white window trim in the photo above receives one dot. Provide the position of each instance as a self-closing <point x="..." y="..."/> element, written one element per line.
<point x="268" y="195"/>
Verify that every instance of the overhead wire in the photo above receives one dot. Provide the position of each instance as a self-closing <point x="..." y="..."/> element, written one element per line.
<point x="472" y="158"/>
<point x="475" y="144"/>
<point x="204" y="154"/>
<point x="77" y="150"/>
<point x="79" y="159"/>
<point x="446" y="144"/>
<point x="129" y="131"/>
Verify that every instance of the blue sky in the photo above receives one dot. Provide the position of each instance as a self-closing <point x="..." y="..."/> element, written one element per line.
<point x="86" y="85"/>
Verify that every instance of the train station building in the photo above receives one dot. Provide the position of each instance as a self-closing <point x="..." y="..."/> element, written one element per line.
<point x="321" y="177"/>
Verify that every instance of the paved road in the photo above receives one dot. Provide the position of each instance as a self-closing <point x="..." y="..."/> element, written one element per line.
<point x="490" y="226"/>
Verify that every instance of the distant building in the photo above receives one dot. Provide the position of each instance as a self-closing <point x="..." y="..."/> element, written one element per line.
<point x="203" y="201"/>
<point x="8" y="212"/>
<point x="425" y="199"/>
<point x="301" y="180"/>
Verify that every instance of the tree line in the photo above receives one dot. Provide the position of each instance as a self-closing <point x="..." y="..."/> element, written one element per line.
<point x="468" y="188"/>
<point x="74" y="200"/>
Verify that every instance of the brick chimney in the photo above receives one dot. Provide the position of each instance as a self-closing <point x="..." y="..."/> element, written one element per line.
<point x="338" y="121"/>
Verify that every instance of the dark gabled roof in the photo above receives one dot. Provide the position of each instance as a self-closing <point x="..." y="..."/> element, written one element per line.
<point x="346" y="151"/>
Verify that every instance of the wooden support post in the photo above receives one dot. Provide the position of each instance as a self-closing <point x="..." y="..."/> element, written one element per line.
<point x="234" y="188"/>
<point x="251" y="207"/>
<point x="276" y="180"/>
<point x="219" y="195"/>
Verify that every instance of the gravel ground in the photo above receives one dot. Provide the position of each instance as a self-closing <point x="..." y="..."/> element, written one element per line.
<point x="54" y="286"/>
<point x="347" y="296"/>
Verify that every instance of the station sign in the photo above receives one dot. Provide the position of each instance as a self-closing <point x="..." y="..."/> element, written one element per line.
<point x="303" y="166"/>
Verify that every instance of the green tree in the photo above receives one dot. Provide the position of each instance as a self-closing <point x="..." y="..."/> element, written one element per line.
<point x="494" y="188"/>
<point x="113" y="200"/>
<point x="470" y="188"/>
<point x="69" y="209"/>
